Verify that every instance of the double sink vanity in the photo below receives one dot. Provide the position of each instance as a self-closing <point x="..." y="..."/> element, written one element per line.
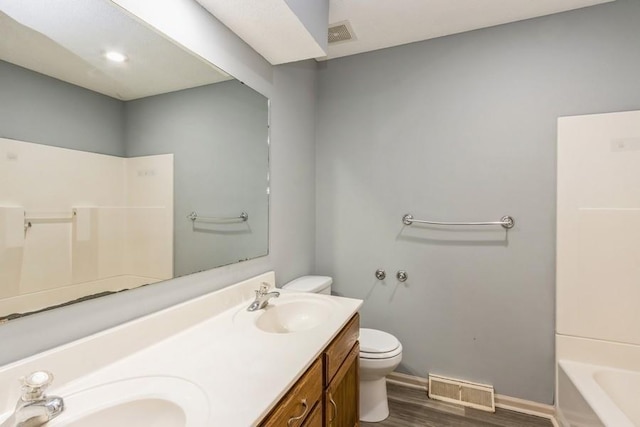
<point x="209" y="362"/>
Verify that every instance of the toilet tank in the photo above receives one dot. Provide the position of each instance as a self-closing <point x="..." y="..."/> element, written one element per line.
<point x="313" y="284"/>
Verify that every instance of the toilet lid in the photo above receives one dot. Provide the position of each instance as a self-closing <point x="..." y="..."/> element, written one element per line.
<point x="374" y="341"/>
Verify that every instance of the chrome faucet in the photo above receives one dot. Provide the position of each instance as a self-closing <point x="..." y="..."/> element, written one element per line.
<point x="262" y="298"/>
<point x="34" y="408"/>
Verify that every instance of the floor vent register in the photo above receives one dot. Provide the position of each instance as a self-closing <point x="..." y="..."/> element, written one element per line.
<point x="478" y="396"/>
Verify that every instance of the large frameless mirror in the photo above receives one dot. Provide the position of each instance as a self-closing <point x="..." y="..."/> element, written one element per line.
<point x="125" y="160"/>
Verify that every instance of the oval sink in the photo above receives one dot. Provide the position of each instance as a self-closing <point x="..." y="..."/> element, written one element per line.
<point x="148" y="412"/>
<point x="293" y="315"/>
<point x="145" y="401"/>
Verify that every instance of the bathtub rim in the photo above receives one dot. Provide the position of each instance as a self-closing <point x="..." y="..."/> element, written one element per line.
<point x="582" y="376"/>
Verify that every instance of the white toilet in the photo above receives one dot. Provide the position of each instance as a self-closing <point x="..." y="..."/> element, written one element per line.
<point x="380" y="354"/>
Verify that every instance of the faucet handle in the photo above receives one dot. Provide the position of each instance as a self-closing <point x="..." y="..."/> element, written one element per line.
<point x="34" y="384"/>
<point x="264" y="287"/>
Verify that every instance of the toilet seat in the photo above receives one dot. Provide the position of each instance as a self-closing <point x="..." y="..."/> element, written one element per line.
<point x="389" y="355"/>
<point x="375" y="344"/>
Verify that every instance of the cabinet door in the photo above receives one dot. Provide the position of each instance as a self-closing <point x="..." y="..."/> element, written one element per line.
<point x="338" y="350"/>
<point x="315" y="417"/>
<point x="294" y="407"/>
<point x="341" y="397"/>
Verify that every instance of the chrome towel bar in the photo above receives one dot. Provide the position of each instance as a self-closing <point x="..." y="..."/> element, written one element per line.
<point x="29" y="219"/>
<point x="193" y="216"/>
<point x="506" y="221"/>
<point x="50" y="216"/>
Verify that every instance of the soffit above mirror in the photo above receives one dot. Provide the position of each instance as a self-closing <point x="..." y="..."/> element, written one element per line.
<point x="273" y="28"/>
<point x="281" y="31"/>
<point x="62" y="41"/>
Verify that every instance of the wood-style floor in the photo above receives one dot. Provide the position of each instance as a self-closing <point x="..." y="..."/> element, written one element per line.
<point x="410" y="407"/>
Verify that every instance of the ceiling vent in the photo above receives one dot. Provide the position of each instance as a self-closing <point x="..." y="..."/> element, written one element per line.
<point x="341" y="32"/>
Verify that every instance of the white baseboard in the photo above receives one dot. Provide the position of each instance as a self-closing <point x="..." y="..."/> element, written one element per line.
<point x="504" y="402"/>
<point x="408" y="380"/>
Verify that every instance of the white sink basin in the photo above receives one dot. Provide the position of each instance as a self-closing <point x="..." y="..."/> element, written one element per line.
<point x="144" y="401"/>
<point x="148" y="412"/>
<point x="291" y="313"/>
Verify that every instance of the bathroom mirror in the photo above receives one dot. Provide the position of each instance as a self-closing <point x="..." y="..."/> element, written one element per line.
<point x="119" y="171"/>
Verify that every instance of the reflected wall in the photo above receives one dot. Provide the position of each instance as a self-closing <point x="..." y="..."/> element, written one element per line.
<point x="220" y="169"/>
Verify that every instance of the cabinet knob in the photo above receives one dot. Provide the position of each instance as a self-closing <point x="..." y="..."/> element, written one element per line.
<point x="292" y="420"/>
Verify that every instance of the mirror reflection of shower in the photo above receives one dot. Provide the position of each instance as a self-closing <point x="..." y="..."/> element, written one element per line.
<point x="75" y="223"/>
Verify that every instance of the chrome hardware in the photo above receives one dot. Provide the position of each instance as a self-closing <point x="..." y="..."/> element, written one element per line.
<point x="335" y="409"/>
<point x="262" y="297"/>
<point x="380" y="274"/>
<point x="34" y="384"/>
<point x="50" y="216"/>
<point x="301" y="416"/>
<point x="506" y="222"/>
<point x="193" y="216"/>
<point x="34" y="408"/>
<point x="35" y="217"/>
<point x="402" y="276"/>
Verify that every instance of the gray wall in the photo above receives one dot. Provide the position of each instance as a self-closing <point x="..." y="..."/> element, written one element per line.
<point x="37" y="108"/>
<point x="291" y="89"/>
<point x="218" y="135"/>
<point x="463" y="128"/>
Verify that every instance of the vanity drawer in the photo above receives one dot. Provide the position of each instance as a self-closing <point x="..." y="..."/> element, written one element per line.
<point x="340" y="347"/>
<point x="296" y="405"/>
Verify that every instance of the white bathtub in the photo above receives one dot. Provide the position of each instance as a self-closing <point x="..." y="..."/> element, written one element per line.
<point x="596" y="396"/>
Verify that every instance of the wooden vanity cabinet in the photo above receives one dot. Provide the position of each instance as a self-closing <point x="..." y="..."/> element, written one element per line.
<point x="336" y="353"/>
<point x="327" y="394"/>
<point x="301" y="400"/>
<point x="315" y="417"/>
<point x="341" y="379"/>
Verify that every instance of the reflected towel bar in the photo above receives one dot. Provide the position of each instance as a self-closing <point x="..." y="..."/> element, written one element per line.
<point x="193" y="216"/>
<point x="48" y="216"/>
<point x="506" y="221"/>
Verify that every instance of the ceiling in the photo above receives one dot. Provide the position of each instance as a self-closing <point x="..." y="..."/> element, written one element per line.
<point x="378" y="24"/>
<point x="67" y="39"/>
<point x="273" y="30"/>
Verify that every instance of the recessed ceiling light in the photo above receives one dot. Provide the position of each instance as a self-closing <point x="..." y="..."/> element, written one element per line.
<point x="114" y="56"/>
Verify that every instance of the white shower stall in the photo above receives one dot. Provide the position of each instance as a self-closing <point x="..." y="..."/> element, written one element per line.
<point x="598" y="269"/>
<point x="74" y="223"/>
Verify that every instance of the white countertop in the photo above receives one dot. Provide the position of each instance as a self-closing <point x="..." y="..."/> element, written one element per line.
<point x="211" y="342"/>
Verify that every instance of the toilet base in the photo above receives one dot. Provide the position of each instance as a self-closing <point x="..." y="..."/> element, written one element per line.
<point x="374" y="406"/>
